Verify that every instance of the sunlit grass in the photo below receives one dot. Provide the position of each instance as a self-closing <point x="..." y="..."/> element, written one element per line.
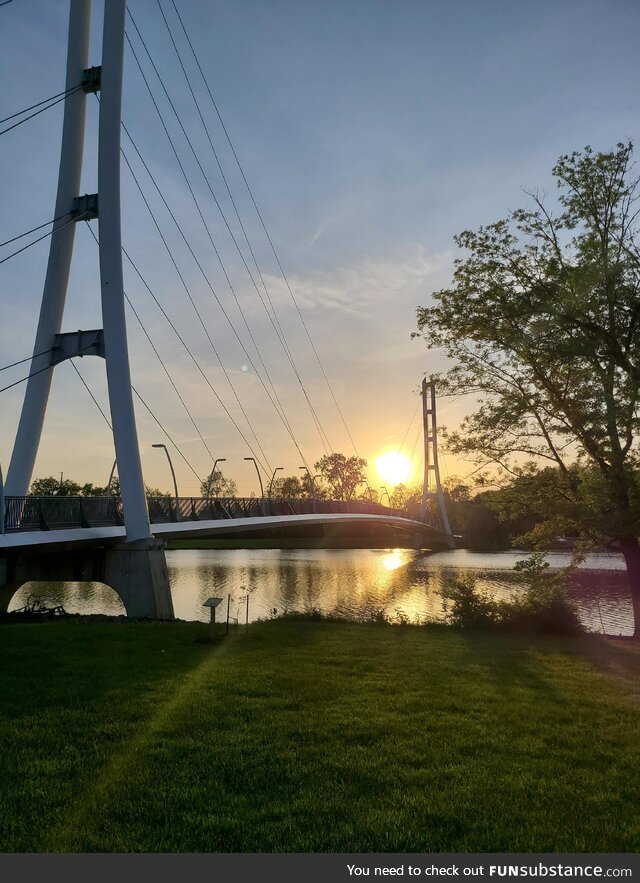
<point x="315" y="736"/>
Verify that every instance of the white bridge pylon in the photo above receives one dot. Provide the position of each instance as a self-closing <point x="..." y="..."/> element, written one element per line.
<point x="138" y="567"/>
<point x="109" y="342"/>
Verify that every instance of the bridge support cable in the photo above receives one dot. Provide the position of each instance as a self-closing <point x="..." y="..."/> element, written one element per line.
<point x="63" y="97"/>
<point x="206" y="226"/>
<point x="88" y="389"/>
<point x="269" y="310"/>
<point x="146" y="406"/>
<point x="27" y="359"/>
<point x="34" y="230"/>
<point x="60" y="251"/>
<point x="162" y="362"/>
<point x="264" y="227"/>
<point x="186" y="288"/>
<point x="187" y="349"/>
<point x="281" y="416"/>
<point x="72" y="220"/>
<point x="175" y="445"/>
<point x="273" y="396"/>
<point x="323" y="436"/>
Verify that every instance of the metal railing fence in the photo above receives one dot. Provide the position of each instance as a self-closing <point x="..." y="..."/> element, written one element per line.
<point x="57" y="513"/>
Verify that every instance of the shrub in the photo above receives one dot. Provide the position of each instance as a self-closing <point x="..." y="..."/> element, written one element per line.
<point x="543" y="608"/>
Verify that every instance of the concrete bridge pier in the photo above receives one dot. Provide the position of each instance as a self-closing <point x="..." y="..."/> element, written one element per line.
<point x="136" y="571"/>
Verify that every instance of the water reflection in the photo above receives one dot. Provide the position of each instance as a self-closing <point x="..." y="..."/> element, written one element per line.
<point x="357" y="583"/>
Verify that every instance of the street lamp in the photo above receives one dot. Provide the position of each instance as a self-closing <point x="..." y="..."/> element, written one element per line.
<point x="383" y="488"/>
<point x="313" y="487"/>
<point x="111" y="474"/>
<point x="370" y="489"/>
<point x="173" y="474"/>
<point x="277" y="469"/>
<point x="253" y="459"/>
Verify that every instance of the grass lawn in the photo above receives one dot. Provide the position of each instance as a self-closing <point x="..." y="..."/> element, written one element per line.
<point x="314" y="736"/>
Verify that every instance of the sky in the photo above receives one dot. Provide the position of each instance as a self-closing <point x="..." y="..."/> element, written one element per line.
<point x="370" y="133"/>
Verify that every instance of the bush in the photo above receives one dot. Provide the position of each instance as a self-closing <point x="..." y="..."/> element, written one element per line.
<point x="543" y="608"/>
<point x="471" y="609"/>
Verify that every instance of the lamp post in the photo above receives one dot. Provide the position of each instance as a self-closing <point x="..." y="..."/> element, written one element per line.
<point x="370" y="489"/>
<point x="253" y="459"/>
<point x="173" y="475"/>
<point x="383" y="488"/>
<point x="277" y="469"/>
<point x="311" y="482"/>
<point x="111" y="474"/>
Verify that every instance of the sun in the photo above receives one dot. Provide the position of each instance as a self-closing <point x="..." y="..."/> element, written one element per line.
<point x="393" y="467"/>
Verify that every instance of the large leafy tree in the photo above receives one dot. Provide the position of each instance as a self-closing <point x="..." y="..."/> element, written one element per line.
<point x="54" y="487"/>
<point x="542" y="323"/>
<point x="342" y="474"/>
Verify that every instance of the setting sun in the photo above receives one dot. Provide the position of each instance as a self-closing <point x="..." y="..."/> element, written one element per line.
<point x="393" y="467"/>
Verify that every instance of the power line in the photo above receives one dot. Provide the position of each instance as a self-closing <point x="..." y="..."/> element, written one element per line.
<point x="64" y="97"/>
<point x="264" y="227"/>
<point x="40" y="238"/>
<point x="272" y="316"/>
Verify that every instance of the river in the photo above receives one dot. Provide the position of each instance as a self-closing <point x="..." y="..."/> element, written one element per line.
<point x="355" y="583"/>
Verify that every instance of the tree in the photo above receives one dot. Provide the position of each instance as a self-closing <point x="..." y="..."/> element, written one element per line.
<point x="405" y="497"/>
<point x="342" y="474"/>
<point x="543" y="322"/>
<point x="155" y="492"/>
<point x="289" y="487"/>
<point x="54" y="487"/>
<point x="216" y="485"/>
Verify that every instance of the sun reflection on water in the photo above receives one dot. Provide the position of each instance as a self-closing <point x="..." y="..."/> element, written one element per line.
<point x="395" y="559"/>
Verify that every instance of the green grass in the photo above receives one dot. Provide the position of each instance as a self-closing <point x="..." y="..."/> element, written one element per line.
<point x="315" y="736"/>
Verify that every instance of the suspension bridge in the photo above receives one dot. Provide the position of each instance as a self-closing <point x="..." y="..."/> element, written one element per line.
<point x="119" y="539"/>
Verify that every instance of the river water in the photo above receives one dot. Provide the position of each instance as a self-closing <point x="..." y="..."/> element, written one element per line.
<point x="355" y="583"/>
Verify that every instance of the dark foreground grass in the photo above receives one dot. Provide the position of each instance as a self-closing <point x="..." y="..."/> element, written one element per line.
<point x="315" y="737"/>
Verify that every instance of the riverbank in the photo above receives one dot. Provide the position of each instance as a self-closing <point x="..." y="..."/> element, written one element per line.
<point x="315" y="736"/>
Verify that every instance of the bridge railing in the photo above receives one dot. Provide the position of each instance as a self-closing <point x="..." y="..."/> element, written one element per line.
<point x="48" y="513"/>
<point x="57" y="513"/>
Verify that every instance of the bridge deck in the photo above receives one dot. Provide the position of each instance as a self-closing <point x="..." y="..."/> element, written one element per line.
<point x="55" y="522"/>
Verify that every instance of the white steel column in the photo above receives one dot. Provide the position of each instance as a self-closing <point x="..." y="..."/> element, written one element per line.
<point x="55" y="287"/>
<point x="136" y="516"/>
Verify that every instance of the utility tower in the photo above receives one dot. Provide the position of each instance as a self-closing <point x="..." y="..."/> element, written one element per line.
<point x="432" y="487"/>
<point x="137" y="569"/>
